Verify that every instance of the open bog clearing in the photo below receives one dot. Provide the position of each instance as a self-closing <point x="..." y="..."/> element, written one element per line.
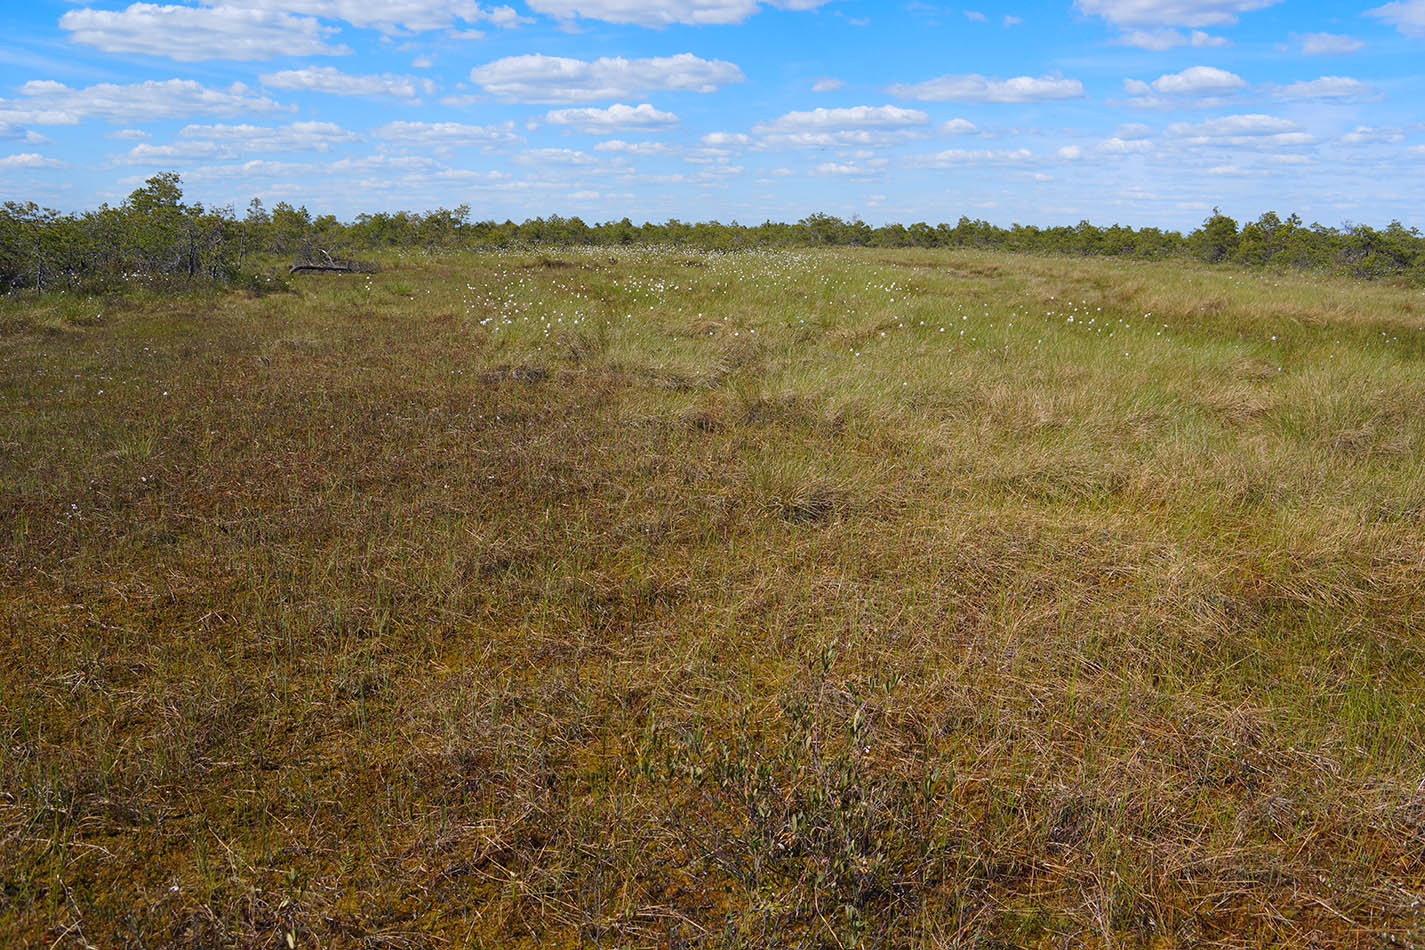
<point x="652" y="598"/>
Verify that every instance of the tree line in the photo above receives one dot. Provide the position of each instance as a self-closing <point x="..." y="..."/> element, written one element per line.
<point x="153" y="236"/>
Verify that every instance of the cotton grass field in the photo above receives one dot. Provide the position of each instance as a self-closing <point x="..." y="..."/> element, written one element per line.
<point x="635" y="598"/>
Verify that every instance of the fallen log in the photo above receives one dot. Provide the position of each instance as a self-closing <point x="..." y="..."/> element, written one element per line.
<point x="330" y="264"/>
<point x="342" y="267"/>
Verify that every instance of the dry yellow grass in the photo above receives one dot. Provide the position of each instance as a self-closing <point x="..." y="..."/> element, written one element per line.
<point x="635" y="598"/>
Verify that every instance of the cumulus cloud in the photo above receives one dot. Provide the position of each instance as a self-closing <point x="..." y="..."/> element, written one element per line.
<point x="977" y="88"/>
<point x="408" y="15"/>
<point x="539" y="78"/>
<point x="371" y="174"/>
<point x="332" y="80"/>
<point x="1407" y="16"/>
<point x="216" y="142"/>
<point x="856" y="117"/>
<point x="657" y="13"/>
<point x="46" y="102"/>
<point x="952" y="157"/>
<point x="959" y="127"/>
<point x="1253" y="130"/>
<point x="11" y="132"/>
<point x="1327" y="87"/>
<point x="192" y="34"/>
<point x="620" y="147"/>
<point x="446" y="134"/>
<point x="726" y="140"/>
<point x="1118" y="145"/>
<point x="1194" y="81"/>
<point x="554" y="156"/>
<point x="29" y="160"/>
<point x="146" y="154"/>
<point x="1233" y="125"/>
<point x="1327" y="44"/>
<point x="1141" y="13"/>
<point x="1366" y="135"/>
<point x="843" y="169"/>
<point x="1165" y="39"/>
<point x="615" y="118"/>
<point x="858" y="125"/>
<point x="301" y="136"/>
<point x="827" y="85"/>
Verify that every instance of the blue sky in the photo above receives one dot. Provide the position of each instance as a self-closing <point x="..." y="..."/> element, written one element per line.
<point x="1144" y="112"/>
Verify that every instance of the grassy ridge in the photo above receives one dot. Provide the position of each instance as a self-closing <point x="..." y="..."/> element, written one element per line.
<point x="645" y="597"/>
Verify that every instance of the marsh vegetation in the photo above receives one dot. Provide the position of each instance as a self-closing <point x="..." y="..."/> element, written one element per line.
<point x="658" y="597"/>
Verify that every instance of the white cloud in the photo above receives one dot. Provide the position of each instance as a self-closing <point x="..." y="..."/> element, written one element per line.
<point x="726" y="140"/>
<point x="144" y="154"/>
<point x="865" y="138"/>
<point x="975" y="15"/>
<point x="1235" y="171"/>
<point x="616" y="117"/>
<point x="214" y="142"/>
<point x="827" y="85"/>
<point x="127" y="134"/>
<point x="538" y="78"/>
<point x="1012" y="20"/>
<point x="1407" y="16"/>
<point x="1257" y="131"/>
<point x="1141" y="13"/>
<point x="1121" y="146"/>
<point x="11" y="132"/>
<point x="1365" y="135"/>
<point x="298" y="136"/>
<point x="1070" y="153"/>
<point x="959" y="127"/>
<point x="1156" y="40"/>
<point x="29" y="160"/>
<point x="1165" y="39"/>
<point x="388" y="16"/>
<point x="620" y="147"/>
<point x="855" y="117"/>
<point x="1328" y="44"/>
<point x="446" y="134"/>
<point x="980" y="156"/>
<point x="331" y="80"/>
<point x="46" y="102"/>
<point x="192" y="34"/>
<point x="977" y="88"/>
<point x="858" y="125"/>
<point x="1201" y="39"/>
<point x="837" y="168"/>
<point x="1327" y="87"/>
<point x="388" y="175"/>
<point x="659" y="13"/>
<point x="554" y="156"/>
<point x="1133" y="130"/>
<point x="1197" y="81"/>
<point x="1233" y="125"/>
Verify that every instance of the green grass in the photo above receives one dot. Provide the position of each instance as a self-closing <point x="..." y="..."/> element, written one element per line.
<point x="635" y="598"/>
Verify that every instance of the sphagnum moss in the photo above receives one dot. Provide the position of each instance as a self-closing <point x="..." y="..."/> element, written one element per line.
<point x="641" y="597"/>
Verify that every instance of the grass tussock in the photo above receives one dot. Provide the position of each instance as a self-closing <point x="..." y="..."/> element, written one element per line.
<point x="640" y="598"/>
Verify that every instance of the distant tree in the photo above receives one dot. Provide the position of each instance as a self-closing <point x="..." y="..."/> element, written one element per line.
<point x="1217" y="239"/>
<point x="291" y="228"/>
